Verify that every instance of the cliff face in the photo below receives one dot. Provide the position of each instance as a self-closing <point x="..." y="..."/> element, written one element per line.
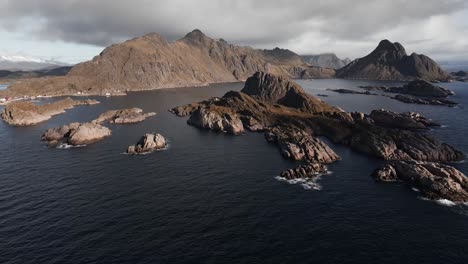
<point x="326" y="60"/>
<point x="151" y="62"/>
<point x="389" y="61"/>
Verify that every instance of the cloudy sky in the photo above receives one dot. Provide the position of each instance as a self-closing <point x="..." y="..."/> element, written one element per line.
<point x="76" y="30"/>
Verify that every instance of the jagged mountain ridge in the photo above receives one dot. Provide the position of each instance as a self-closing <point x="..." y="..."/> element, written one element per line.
<point x="152" y="62"/>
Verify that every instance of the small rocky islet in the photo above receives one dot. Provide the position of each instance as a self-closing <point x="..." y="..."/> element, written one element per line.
<point x="148" y="143"/>
<point x="293" y="119"/>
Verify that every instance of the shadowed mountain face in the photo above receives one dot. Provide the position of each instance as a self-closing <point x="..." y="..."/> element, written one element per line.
<point x="151" y="62"/>
<point x="326" y="60"/>
<point x="389" y="61"/>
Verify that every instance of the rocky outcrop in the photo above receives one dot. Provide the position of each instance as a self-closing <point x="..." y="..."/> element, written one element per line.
<point x="434" y="180"/>
<point x="216" y="121"/>
<point x="297" y="144"/>
<point x="421" y="88"/>
<point x="24" y="113"/>
<point x="76" y="134"/>
<point x="309" y="170"/>
<point x="148" y="143"/>
<point x="152" y="62"/>
<point x="124" y="116"/>
<point x="277" y="89"/>
<point x="294" y="120"/>
<point x="326" y="60"/>
<point x="424" y="101"/>
<point x="389" y="61"/>
<point x="407" y="120"/>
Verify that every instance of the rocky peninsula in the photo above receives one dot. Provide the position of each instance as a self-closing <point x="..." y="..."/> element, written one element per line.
<point x="24" y="113"/>
<point x="294" y="120"/>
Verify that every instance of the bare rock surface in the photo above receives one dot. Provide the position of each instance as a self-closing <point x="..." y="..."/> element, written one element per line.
<point x="23" y="113"/>
<point x="297" y="144"/>
<point x="407" y="120"/>
<point x="434" y="180"/>
<point x="76" y="134"/>
<point x="124" y="116"/>
<point x="148" y="143"/>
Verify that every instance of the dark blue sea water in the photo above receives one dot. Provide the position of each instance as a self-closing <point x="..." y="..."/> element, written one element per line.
<point x="213" y="198"/>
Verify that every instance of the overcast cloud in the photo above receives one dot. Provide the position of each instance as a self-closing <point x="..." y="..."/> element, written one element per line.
<point x="349" y="28"/>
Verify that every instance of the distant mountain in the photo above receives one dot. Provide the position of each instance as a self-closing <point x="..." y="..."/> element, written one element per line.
<point x="152" y="62"/>
<point x="389" y="61"/>
<point x="326" y="60"/>
<point x="22" y="63"/>
<point x="12" y="75"/>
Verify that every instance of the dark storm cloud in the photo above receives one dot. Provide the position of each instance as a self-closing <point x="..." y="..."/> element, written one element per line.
<point x="254" y="22"/>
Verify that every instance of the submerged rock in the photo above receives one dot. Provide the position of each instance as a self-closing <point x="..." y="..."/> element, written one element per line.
<point x="27" y="113"/>
<point x="76" y="134"/>
<point x="434" y="180"/>
<point x="148" y="143"/>
<point x="124" y="116"/>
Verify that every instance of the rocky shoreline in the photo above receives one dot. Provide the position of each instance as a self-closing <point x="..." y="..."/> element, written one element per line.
<point x="293" y="120"/>
<point x="28" y="113"/>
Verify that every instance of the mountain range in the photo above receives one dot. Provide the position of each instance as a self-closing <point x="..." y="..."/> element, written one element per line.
<point x="152" y="62"/>
<point x="326" y="60"/>
<point x="24" y="63"/>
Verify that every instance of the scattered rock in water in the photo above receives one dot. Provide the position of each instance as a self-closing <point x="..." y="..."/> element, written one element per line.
<point x="408" y="120"/>
<point x="124" y="116"/>
<point x="148" y="143"/>
<point x="24" y="113"/>
<point x="76" y="134"/>
<point x="434" y="180"/>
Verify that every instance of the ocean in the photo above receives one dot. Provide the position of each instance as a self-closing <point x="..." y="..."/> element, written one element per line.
<point x="212" y="197"/>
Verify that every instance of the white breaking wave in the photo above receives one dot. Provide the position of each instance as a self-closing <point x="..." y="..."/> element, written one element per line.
<point x="306" y="183"/>
<point x="67" y="146"/>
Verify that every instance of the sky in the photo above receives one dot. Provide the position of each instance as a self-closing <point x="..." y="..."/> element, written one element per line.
<point x="76" y="30"/>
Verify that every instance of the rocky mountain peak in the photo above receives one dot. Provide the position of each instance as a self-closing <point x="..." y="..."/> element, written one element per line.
<point x="196" y="35"/>
<point x="389" y="61"/>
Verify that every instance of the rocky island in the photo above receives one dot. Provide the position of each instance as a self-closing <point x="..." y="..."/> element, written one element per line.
<point x="294" y="120"/>
<point x="124" y="116"/>
<point x="417" y="92"/>
<point x="27" y="113"/>
<point x="148" y="143"/>
<point x="76" y="134"/>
